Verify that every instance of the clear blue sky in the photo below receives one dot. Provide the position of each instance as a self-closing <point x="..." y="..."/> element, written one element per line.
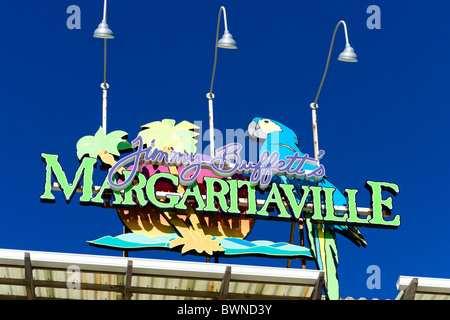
<point x="384" y="118"/>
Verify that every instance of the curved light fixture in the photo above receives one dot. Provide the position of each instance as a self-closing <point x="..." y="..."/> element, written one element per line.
<point x="226" y="42"/>
<point x="348" y="55"/>
<point x="103" y="31"/>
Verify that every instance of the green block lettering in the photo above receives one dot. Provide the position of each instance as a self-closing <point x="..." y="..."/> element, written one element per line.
<point x="136" y="189"/>
<point x="251" y="198"/>
<point x="317" y="203"/>
<point x="379" y="204"/>
<point x="329" y="207"/>
<point x="234" y="198"/>
<point x="220" y="195"/>
<point x="296" y="207"/>
<point x="150" y="190"/>
<point x="275" y="198"/>
<point x="194" y="191"/>
<point x="105" y="186"/>
<point x="86" y="169"/>
<point x="352" y="209"/>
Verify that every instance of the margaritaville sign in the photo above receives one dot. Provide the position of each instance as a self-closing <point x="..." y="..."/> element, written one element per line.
<point x="281" y="196"/>
<point x="171" y="197"/>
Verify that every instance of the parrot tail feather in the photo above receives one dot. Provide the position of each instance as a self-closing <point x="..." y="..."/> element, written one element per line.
<point x="322" y="241"/>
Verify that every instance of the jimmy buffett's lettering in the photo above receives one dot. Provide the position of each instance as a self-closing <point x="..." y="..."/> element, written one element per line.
<point x="226" y="163"/>
<point x="222" y="195"/>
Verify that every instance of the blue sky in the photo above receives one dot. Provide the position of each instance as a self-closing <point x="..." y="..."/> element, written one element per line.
<point x="382" y="119"/>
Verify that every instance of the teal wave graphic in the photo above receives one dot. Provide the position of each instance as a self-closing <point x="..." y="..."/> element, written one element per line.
<point x="232" y="246"/>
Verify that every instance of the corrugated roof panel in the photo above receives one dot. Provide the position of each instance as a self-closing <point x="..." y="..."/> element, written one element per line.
<point x="12" y="291"/>
<point x="426" y="296"/>
<point x="172" y="285"/>
<point x="423" y="288"/>
<point x="59" y="284"/>
<point x="103" y="277"/>
<point x="270" y="290"/>
<point x="12" y="272"/>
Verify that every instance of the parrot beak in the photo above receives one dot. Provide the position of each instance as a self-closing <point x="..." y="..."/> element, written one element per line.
<point x="254" y="131"/>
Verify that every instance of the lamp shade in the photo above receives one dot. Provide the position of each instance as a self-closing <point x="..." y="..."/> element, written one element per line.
<point x="348" y="55"/>
<point x="227" y="41"/>
<point x="103" y="31"/>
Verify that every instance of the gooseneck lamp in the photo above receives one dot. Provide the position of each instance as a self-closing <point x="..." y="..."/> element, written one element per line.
<point x="348" y="55"/>
<point x="226" y="42"/>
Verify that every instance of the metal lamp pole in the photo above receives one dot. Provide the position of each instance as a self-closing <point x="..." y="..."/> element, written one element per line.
<point x="103" y="32"/>
<point x="348" y="55"/>
<point x="226" y="42"/>
<point x="105" y="88"/>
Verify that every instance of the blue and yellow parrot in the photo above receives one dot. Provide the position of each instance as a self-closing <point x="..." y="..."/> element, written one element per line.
<point x="321" y="237"/>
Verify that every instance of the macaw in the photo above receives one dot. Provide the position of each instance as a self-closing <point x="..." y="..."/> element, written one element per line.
<point x="321" y="237"/>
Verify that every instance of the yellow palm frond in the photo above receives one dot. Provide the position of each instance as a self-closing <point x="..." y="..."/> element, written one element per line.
<point x="168" y="136"/>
